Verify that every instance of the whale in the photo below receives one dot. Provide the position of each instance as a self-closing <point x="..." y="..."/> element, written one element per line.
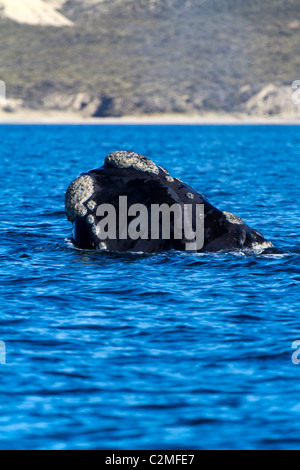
<point x="127" y="185"/>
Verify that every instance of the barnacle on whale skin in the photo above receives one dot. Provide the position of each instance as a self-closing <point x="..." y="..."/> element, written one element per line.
<point x="233" y="219"/>
<point x="77" y="194"/>
<point x="128" y="160"/>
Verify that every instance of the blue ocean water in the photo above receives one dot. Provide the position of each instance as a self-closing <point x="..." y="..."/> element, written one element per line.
<point x="168" y="351"/>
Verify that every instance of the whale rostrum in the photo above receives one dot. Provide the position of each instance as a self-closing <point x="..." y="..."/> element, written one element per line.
<point x="132" y="205"/>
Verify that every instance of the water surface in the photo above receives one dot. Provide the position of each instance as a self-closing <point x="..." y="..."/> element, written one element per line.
<point x="168" y="351"/>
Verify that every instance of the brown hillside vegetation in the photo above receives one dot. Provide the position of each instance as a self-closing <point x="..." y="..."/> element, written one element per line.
<point x="155" y="56"/>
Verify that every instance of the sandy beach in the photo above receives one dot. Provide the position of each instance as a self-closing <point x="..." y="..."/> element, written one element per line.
<point x="58" y="117"/>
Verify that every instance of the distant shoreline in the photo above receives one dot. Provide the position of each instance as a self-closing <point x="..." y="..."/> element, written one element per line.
<point x="63" y="118"/>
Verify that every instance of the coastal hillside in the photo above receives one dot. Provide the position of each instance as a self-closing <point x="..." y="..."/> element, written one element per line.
<point x="34" y="12"/>
<point x="124" y="57"/>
